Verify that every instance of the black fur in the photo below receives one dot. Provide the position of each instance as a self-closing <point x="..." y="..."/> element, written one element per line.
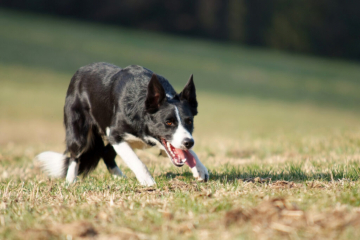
<point x="132" y="100"/>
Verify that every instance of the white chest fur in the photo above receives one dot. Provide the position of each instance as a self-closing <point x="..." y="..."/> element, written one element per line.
<point x="135" y="142"/>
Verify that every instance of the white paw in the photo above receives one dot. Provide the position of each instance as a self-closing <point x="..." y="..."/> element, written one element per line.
<point x="146" y="181"/>
<point x="70" y="180"/>
<point x="72" y="172"/>
<point x="200" y="172"/>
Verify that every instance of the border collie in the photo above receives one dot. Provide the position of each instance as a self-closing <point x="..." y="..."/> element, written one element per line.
<point x="110" y="111"/>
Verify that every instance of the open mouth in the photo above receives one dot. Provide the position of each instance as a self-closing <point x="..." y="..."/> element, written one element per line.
<point x="178" y="156"/>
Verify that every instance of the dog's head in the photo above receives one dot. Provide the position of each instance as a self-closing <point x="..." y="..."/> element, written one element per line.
<point x="172" y="120"/>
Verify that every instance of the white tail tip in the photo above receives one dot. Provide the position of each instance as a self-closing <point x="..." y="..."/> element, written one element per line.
<point x="52" y="163"/>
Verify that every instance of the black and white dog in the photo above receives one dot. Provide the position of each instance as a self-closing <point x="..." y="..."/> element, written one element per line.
<point x="109" y="111"/>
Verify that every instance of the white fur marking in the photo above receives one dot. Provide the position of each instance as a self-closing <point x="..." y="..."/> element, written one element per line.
<point x="72" y="172"/>
<point x="138" y="143"/>
<point x="199" y="171"/>
<point x="151" y="139"/>
<point x="180" y="134"/>
<point x="135" y="142"/>
<point x="131" y="138"/>
<point x="52" y="163"/>
<point x="134" y="163"/>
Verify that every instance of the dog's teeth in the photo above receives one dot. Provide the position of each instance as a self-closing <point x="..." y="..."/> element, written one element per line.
<point x="184" y="160"/>
<point x="168" y="144"/>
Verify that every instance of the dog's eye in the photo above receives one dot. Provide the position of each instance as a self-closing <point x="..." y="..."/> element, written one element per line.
<point x="169" y="123"/>
<point x="188" y="121"/>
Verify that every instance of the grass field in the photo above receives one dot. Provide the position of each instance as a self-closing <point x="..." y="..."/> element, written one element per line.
<point x="279" y="133"/>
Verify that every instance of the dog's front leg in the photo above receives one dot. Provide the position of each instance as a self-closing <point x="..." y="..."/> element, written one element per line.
<point x="200" y="172"/>
<point x="134" y="163"/>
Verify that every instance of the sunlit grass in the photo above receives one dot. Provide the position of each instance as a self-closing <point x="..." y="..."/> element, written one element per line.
<point x="280" y="135"/>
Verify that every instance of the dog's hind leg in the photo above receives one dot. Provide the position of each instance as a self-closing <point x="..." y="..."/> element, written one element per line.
<point x="72" y="171"/>
<point x="88" y="159"/>
<point x="82" y="141"/>
<point x="108" y="156"/>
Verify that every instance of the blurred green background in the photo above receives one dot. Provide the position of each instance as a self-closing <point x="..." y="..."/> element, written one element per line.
<point x="243" y="91"/>
<point x="326" y="28"/>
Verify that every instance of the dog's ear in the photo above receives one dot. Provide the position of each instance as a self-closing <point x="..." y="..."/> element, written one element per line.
<point x="155" y="95"/>
<point x="189" y="94"/>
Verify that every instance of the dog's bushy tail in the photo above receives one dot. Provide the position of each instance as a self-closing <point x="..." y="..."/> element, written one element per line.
<point x="53" y="163"/>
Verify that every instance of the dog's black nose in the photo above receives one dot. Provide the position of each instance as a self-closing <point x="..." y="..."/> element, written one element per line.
<point x="188" y="143"/>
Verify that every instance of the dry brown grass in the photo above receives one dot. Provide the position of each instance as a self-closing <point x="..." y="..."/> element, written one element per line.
<point x="263" y="199"/>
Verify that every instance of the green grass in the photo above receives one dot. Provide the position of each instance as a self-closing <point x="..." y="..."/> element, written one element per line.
<point x="279" y="133"/>
<point x="63" y="45"/>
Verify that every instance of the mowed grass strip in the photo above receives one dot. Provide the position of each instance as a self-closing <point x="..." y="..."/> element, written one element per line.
<point x="284" y="163"/>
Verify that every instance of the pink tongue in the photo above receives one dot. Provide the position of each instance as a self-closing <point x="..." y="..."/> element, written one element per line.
<point x="190" y="160"/>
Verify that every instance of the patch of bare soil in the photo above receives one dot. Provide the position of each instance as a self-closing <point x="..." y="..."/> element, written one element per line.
<point x="278" y="216"/>
<point x="40" y="234"/>
<point x="276" y="185"/>
<point x="256" y="180"/>
<point x="80" y="229"/>
<point x="77" y="230"/>
<point x="178" y="184"/>
<point x="316" y="184"/>
<point x="285" y="184"/>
